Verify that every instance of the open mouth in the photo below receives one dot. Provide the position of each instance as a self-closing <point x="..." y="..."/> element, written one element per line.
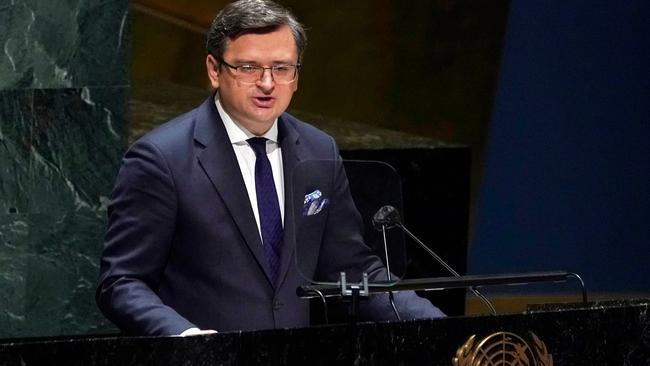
<point x="263" y="101"/>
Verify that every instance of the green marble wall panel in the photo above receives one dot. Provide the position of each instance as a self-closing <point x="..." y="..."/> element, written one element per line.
<point x="63" y="93"/>
<point x="60" y="150"/>
<point x="63" y="43"/>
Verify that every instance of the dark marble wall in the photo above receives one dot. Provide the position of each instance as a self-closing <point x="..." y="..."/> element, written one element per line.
<point x="63" y="92"/>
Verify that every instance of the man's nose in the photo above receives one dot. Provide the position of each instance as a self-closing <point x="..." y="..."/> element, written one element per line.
<point x="266" y="81"/>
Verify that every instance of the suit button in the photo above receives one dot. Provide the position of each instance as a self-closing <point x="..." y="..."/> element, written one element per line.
<point x="277" y="305"/>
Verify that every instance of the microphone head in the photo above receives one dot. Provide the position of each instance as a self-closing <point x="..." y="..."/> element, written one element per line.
<point x="386" y="216"/>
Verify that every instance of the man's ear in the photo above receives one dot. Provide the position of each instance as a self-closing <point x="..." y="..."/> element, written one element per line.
<point x="212" y="68"/>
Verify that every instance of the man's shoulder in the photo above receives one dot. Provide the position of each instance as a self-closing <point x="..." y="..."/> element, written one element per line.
<point x="181" y="131"/>
<point x="305" y="130"/>
<point x="173" y="130"/>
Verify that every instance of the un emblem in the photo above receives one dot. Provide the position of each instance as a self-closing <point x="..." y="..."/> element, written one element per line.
<point x="503" y="348"/>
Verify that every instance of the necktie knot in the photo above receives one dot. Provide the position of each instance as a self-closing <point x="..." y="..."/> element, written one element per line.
<point x="258" y="144"/>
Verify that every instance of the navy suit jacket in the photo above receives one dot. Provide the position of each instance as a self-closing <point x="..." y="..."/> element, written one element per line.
<point x="182" y="248"/>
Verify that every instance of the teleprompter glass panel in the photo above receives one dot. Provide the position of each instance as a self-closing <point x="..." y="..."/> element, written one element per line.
<point x="333" y="206"/>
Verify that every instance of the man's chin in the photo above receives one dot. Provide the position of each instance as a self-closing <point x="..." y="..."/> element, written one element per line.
<point x="258" y="125"/>
<point x="264" y="116"/>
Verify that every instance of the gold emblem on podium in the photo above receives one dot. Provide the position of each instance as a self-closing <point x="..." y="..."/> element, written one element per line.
<point x="503" y="348"/>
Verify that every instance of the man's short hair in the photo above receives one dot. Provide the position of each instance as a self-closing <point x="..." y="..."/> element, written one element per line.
<point x="248" y="16"/>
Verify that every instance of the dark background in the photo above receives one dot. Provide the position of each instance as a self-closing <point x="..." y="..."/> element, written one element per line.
<point x="566" y="179"/>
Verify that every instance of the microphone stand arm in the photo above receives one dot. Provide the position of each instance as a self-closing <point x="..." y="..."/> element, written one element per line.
<point x="447" y="267"/>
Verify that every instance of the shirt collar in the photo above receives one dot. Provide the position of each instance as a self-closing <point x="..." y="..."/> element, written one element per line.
<point x="236" y="132"/>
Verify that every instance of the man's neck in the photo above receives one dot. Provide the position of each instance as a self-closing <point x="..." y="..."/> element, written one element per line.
<point x="238" y="132"/>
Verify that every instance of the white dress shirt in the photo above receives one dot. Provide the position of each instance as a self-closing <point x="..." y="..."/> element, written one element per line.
<point x="246" y="159"/>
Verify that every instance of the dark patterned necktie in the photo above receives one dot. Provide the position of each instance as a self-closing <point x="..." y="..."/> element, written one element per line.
<point x="267" y="206"/>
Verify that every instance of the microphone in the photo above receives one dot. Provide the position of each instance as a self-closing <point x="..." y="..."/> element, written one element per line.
<point x="387" y="217"/>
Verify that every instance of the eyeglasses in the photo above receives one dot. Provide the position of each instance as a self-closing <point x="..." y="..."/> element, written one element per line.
<point x="250" y="74"/>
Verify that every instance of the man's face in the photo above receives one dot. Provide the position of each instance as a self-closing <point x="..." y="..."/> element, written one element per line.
<point x="257" y="105"/>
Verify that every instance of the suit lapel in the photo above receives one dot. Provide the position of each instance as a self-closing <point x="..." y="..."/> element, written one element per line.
<point x="219" y="162"/>
<point x="292" y="153"/>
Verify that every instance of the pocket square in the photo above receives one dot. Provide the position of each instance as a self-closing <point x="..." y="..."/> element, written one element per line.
<point x="314" y="203"/>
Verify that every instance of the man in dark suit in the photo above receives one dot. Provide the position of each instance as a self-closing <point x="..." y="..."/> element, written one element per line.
<point x="203" y="226"/>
